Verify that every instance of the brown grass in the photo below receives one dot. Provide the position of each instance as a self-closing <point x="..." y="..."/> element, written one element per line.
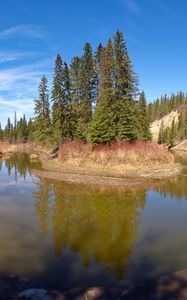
<point x="139" y="153"/>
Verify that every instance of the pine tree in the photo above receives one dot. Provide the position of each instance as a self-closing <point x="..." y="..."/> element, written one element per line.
<point x="102" y="129"/>
<point x="61" y="98"/>
<point x="127" y="126"/>
<point x="125" y="78"/>
<point x="87" y="80"/>
<point x="15" y="127"/>
<point x="42" y="113"/>
<point x="161" y="133"/>
<point x="143" y="119"/>
<point x="172" y="133"/>
<point x="125" y="91"/>
<point x="57" y="99"/>
<point x="98" y="62"/>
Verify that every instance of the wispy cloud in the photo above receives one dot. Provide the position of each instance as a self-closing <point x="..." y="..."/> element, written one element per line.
<point x="18" y="88"/>
<point x="133" y="7"/>
<point x="26" y="30"/>
<point x="13" y="56"/>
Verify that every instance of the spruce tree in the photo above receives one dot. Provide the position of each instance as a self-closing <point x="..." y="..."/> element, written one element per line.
<point x="127" y="126"/>
<point x="172" y="133"/>
<point x="57" y="100"/>
<point x="102" y="129"/>
<point x="87" y="80"/>
<point x="125" y="91"/>
<point x="143" y="119"/>
<point x="161" y="133"/>
<point x="42" y="113"/>
<point x="61" y="98"/>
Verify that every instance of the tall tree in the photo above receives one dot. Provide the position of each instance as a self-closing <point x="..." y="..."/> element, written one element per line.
<point x="161" y="133"/>
<point x="87" y="77"/>
<point x="102" y="129"/>
<point x="61" y="98"/>
<point x="125" y="91"/>
<point x="42" y="113"/>
<point x="144" y="132"/>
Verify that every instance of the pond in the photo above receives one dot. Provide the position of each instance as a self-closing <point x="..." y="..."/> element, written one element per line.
<point x="70" y="235"/>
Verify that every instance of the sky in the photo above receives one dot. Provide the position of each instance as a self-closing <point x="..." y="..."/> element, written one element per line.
<point x="33" y="32"/>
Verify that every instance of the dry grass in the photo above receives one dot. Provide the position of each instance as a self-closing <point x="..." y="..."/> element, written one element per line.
<point x="139" y="153"/>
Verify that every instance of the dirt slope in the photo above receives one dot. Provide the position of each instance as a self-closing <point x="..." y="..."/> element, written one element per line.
<point x="167" y="121"/>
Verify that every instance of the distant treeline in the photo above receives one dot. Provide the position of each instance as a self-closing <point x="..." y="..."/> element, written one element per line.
<point x="177" y="131"/>
<point x="166" y="104"/>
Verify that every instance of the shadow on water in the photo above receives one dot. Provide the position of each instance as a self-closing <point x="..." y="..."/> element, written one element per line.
<point x="81" y="235"/>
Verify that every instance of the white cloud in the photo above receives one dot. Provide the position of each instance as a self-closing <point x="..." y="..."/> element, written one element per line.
<point x="19" y="88"/>
<point x="26" y="30"/>
<point x="133" y="7"/>
<point x="13" y="56"/>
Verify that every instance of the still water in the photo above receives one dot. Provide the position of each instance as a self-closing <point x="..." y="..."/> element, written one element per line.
<point x="77" y="235"/>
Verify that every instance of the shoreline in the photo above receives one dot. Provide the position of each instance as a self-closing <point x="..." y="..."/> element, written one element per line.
<point x="169" y="286"/>
<point x="81" y="172"/>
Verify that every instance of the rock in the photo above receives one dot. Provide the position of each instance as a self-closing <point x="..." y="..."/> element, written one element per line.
<point x="53" y="153"/>
<point x="34" y="294"/>
<point x="1" y="154"/>
<point x="34" y="156"/>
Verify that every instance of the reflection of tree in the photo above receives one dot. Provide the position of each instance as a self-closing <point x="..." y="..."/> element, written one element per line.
<point x="99" y="224"/>
<point x="20" y="163"/>
<point x="42" y="204"/>
<point x="175" y="187"/>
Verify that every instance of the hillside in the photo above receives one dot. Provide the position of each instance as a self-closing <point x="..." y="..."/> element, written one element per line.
<point x="167" y="122"/>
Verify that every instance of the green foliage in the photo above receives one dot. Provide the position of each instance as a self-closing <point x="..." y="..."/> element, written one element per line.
<point x="127" y="126"/>
<point x="144" y="132"/>
<point x="161" y="134"/>
<point x="165" y="105"/>
<point x="94" y="99"/>
<point x="102" y="129"/>
<point x="62" y="108"/>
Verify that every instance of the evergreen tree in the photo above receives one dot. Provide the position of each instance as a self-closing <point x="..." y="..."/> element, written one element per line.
<point x="102" y="129"/>
<point x="125" y="91"/>
<point x="87" y="80"/>
<point x="127" y="126"/>
<point x="58" y="100"/>
<point x="61" y="98"/>
<point x="15" y="127"/>
<point x="172" y="133"/>
<point x="42" y="113"/>
<point x="143" y="119"/>
<point x="125" y="78"/>
<point x="161" y="133"/>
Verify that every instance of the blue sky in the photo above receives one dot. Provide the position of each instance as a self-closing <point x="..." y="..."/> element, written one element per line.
<point x="32" y="32"/>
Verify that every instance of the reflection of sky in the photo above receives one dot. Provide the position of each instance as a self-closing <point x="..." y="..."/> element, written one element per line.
<point x="159" y="247"/>
<point x="162" y="242"/>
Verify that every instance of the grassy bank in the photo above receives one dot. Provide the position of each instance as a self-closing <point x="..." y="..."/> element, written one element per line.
<point x="109" y="164"/>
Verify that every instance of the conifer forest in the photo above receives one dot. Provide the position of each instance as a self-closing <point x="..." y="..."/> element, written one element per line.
<point x="94" y="99"/>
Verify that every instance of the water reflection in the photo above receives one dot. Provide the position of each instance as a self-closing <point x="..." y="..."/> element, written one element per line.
<point x="19" y="163"/>
<point x="98" y="223"/>
<point x="79" y="235"/>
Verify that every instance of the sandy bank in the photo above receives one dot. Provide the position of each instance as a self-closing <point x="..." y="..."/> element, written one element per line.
<point x="181" y="147"/>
